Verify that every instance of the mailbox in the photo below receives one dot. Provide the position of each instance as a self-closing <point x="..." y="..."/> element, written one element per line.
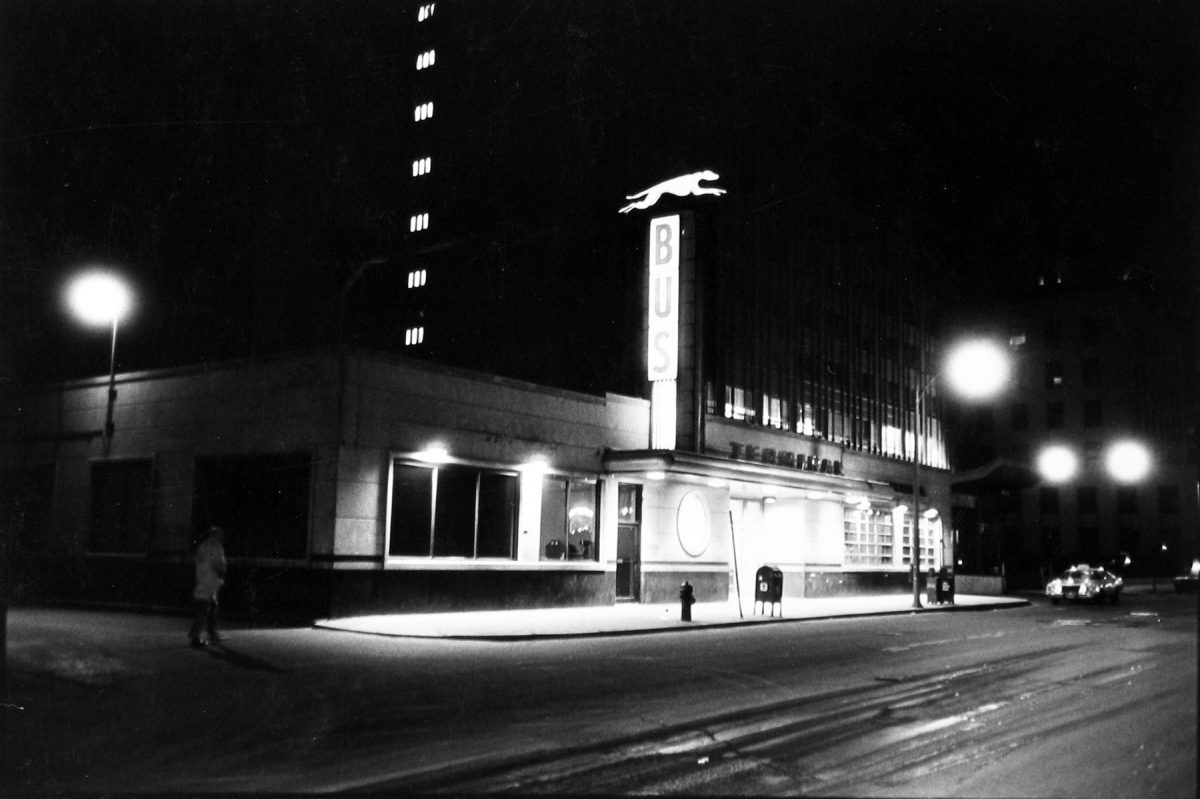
<point x="945" y="586"/>
<point x="768" y="587"/>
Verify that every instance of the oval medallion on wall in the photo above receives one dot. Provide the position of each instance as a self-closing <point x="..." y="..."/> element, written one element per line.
<point x="691" y="524"/>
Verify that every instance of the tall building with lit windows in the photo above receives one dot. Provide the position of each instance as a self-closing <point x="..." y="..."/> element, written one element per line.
<point x="1103" y="363"/>
<point x="783" y="395"/>
<point x="547" y="391"/>
<point x="538" y="399"/>
<point x="420" y="141"/>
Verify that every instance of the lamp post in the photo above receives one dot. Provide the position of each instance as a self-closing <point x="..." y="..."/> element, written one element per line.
<point x="101" y="298"/>
<point x="345" y="289"/>
<point x="1162" y="562"/>
<point x="1057" y="463"/>
<point x="341" y="338"/>
<point x="976" y="369"/>
<point x="1127" y="461"/>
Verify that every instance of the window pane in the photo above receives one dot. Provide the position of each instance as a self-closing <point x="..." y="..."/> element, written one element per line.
<point x="1168" y="499"/>
<point x="454" y="522"/>
<point x="1088" y="499"/>
<point x="1127" y="500"/>
<point x="1054" y="374"/>
<point x="497" y="515"/>
<point x="629" y="503"/>
<point x="1089" y="544"/>
<point x="122" y="507"/>
<point x="581" y="518"/>
<point x="1048" y="499"/>
<point x="412" y="498"/>
<point x="262" y="501"/>
<point x="554" y="519"/>
<point x="1054" y="415"/>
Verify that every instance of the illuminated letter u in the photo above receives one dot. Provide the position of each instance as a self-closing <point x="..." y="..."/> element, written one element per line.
<point x="664" y="297"/>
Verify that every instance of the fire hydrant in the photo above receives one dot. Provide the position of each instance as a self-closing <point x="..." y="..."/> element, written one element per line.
<point x="687" y="598"/>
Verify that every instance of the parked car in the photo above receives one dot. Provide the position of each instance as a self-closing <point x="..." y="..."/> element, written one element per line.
<point x="1085" y="582"/>
<point x="1189" y="582"/>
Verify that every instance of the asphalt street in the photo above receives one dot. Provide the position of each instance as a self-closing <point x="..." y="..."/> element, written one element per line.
<point x="1027" y="701"/>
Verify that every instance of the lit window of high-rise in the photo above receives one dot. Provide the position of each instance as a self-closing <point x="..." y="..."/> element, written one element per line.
<point x="422" y="166"/>
<point x="426" y="59"/>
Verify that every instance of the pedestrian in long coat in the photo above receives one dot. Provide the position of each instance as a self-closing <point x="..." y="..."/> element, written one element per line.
<point x="210" y="576"/>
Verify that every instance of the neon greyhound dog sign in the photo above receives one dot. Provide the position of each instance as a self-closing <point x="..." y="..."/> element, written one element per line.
<point x="682" y="186"/>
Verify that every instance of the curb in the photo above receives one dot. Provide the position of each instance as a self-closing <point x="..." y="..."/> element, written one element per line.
<point x="679" y="626"/>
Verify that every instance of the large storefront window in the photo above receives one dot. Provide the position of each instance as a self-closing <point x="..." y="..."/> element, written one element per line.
<point x="868" y="537"/>
<point x="452" y="512"/>
<point x="568" y="530"/>
<point x="122" y="506"/>
<point x="262" y="501"/>
<point x="927" y="543"/>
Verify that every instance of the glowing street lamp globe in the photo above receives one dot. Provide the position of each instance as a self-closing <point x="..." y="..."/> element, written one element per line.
<point x="977" y="368"/>
<point x="1057" y="464"/>
<point x="99" y="298"/>
<point x="1127" y="461"/>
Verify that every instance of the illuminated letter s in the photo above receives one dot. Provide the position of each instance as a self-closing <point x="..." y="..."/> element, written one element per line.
<point x="661" y="347"/>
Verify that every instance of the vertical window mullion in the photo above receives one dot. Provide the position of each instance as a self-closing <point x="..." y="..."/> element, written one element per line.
<point x="433" y="492"/>
<point x="566" y="516"/>
<point x="475" y="525"/>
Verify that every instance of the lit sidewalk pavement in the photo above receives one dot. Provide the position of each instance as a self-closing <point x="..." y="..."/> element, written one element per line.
<point x="632" y="618"/>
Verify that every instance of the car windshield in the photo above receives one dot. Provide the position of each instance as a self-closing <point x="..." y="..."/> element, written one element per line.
<point x="1072" y="574"/>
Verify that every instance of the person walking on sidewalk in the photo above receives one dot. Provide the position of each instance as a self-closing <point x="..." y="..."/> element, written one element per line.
<point x="210" y="576"/>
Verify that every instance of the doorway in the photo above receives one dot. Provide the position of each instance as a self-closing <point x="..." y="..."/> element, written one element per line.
<point x="629" y="543"/>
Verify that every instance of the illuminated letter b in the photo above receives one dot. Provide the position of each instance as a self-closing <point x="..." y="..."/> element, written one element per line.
<point x="662" y="245"/>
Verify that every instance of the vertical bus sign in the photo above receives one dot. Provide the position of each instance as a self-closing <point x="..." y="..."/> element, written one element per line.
<point x="662" y="346"/>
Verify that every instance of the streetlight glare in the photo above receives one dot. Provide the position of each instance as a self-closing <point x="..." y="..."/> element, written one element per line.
<point x="977" y="368"/>
<point x="1127" y="461"/>
<point x="1057" y="464"/>
<point x="98" y="298"/>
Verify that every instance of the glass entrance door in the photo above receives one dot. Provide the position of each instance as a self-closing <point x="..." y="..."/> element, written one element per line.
<point x="629" y="544"/>
<point x="628" y="571"/>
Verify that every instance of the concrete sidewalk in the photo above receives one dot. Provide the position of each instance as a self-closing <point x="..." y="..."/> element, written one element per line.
<point x="633" y="618"/>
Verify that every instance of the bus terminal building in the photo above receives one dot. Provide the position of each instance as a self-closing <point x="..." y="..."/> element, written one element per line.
<point x="363" y="482"/>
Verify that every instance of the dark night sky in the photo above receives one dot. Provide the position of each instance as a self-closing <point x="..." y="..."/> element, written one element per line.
<point x="238" y="158"/>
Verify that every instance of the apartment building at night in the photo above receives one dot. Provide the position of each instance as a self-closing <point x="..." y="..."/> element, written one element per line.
<point x="529" y="418"/>
<point x="1099" y="362"/>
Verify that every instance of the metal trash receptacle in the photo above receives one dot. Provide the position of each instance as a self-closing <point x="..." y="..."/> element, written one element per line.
<point x="945" y="586"/>
<point x="768" y="587"/>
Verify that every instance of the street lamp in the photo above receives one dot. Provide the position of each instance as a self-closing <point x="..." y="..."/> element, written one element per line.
<point x="975" y="369"/>
<point x="1057" y="463"/>
<point x="101" y="298"/>
<point x="1128" y="461"/>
